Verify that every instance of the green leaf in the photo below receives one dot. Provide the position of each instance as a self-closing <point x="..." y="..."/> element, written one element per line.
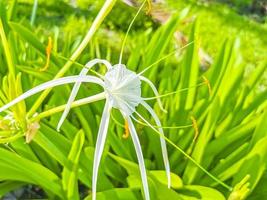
<point x="30" y="37"/>
<point x="69" y="175"/>
<point x="176" y="181"/>
<point x="254" y="164"/>
<point x="18" y="168"/>
<point x="196" y="192"/>
<point x="192" y="171"/>
<point x="115" y="194"/>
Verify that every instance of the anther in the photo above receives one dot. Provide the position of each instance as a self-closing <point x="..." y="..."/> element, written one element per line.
<point x="126" y="130"/>
<point x="48" y="51"/>
<point x="149" y="8"/>
<point x="195" y="126"/>
<point x="207" y="82"/>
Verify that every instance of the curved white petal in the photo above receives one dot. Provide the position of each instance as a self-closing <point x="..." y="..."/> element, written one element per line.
<point x="50" y="84"/>
<point x="162" y="142"/>
<point x="101" y="137"/>
<point x="91" y="63"/>
<point x="77" y="85"/>
<point x="139" y="157"/>
<point x="154" y="90"/>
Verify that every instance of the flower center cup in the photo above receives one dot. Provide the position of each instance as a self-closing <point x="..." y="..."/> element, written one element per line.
<point x="123" y="87"/>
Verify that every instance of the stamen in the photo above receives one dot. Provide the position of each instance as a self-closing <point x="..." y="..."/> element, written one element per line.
<point x="164" y="127"/>
<point x="183" y="152"/>
<point x="128" y="30"/>
<point x="186" y="155"/>
<point x="116" y="121"/>
<point x="195" y="126"/>
<point x="126" y="128"/>
<point x="171" y="93"/>
<point x="48" y="53"/>
<point x="149" y="8"/>
<point x="163" y="58"/>
<point x="207" y="82"/>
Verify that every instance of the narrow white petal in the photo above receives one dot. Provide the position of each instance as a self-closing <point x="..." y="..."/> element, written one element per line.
<point x="77" y="85"/>
<point x="139" y="157"/>
<point x="50" y="84"/>
<point x="101" y="137"/>
<point x="162" y="142"/>
<point x="154" y="90"/>
<point x="91" y="63"/>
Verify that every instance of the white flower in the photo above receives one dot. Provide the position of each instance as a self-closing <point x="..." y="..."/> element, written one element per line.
<point x="122" y="90"/>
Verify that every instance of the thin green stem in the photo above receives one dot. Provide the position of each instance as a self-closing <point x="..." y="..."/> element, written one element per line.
<point x="144" y="124"/>
<point x="115" y="120"/>
<point x="164" y="57"/>
<point x="171" y="93"/>
<point x="186" y="155"/>
<point x="164" y="127"/>
<point x="96" y="24"/>
<point x="77" y="103"/>
<point x="128" y="30"/>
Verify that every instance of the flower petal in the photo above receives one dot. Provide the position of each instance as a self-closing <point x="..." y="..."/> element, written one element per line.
<point x="77" y="85"/>
<point x="101" y="137"/>
<point x="50" y="84"/>
<point x="162" y="142"/>
<point x="139" y="157"/>
<point x="91" y="63"/>
<point x="154" y="90"/>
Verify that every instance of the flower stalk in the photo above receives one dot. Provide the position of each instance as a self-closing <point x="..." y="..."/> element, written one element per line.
<point x="96" y="24"/>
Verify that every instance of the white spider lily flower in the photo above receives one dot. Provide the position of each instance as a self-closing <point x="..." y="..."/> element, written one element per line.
<point x="122" y="90"/>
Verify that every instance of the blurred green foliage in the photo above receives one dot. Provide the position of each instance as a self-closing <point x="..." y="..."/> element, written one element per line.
<point x="231" y="118"/>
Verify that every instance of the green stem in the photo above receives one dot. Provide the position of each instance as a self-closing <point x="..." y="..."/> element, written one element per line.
<point x="128" y="30"/>
<point x="97" y="22"/>
<point x="77" y="103"/>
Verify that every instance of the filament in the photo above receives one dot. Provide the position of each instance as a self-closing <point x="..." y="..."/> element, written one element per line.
<point x="128" y="30"/>
<point x="171" y="93"/>
<point x="164" y="127"/>
<point x="164" y="57"/>
<point x="195" y="126"/>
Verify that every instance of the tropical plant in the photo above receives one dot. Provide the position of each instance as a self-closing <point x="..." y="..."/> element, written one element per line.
<point x="214" y="126"/>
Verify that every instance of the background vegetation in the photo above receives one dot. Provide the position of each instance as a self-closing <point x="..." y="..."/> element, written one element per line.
<point x="222" y="72"/>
